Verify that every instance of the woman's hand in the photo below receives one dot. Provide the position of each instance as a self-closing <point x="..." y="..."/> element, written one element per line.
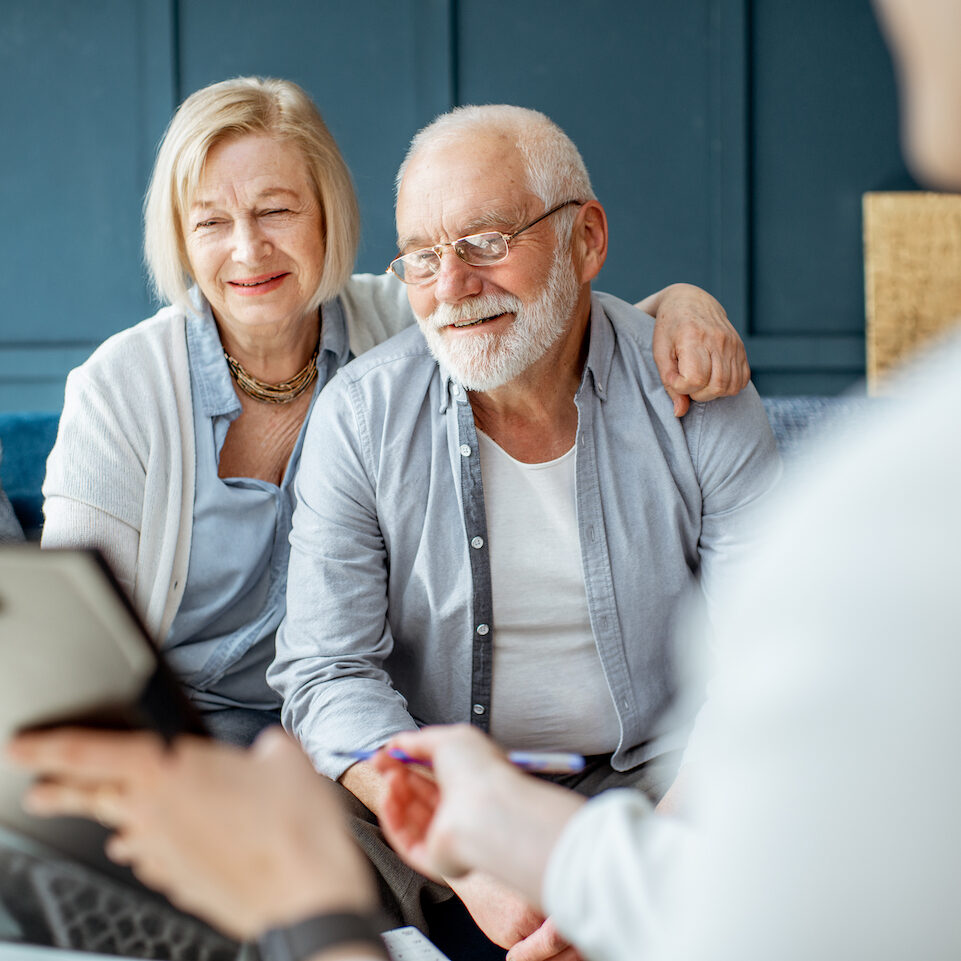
<point x="698" y="353"/>
<point x="476" y="813"/>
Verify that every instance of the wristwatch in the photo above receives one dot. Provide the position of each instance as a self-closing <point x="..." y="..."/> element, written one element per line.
<point x="299" y="941"/>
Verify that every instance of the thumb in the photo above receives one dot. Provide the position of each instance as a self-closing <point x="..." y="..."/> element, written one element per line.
<point x="682" y="402"/>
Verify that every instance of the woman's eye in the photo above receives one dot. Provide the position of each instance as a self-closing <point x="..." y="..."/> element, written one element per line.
<point x="203" y="224"/>
<point x="277" y="210"/>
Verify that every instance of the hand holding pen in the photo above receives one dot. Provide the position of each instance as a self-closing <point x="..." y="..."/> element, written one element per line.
<point x="478" y="812"/>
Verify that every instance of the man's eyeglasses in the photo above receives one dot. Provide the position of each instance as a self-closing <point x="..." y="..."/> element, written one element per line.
<point x="478" y="250"/>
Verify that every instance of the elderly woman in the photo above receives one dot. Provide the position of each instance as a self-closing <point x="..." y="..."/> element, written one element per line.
<point x="180" y="437"/>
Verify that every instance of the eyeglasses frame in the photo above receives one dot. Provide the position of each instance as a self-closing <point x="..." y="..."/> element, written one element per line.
<point x="508" y="238"/>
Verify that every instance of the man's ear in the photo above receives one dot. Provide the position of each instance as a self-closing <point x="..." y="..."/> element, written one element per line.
<point x="589" y="241"/>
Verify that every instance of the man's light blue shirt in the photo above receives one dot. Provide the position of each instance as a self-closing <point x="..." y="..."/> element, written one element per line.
<point x="389" y="618"/>
<point x="222" y="638"/>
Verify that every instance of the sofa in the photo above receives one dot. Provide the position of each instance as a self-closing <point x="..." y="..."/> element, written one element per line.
<point x="25" y="442"/>
<point x="26" y="439"/>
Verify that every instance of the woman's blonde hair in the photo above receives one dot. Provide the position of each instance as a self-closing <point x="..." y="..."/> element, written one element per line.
<point x="233" y="108"/>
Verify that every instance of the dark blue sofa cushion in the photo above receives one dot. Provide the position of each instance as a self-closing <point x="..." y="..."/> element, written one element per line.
<point x="26" y="439"/>
<point x="10" y="529"/>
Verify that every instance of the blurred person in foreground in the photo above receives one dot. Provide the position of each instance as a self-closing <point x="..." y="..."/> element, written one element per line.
<point x="180" y="438"/>
<point x="821" y="817"/>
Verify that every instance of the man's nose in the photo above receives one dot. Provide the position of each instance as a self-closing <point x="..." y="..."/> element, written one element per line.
<point x="456" y="280"/>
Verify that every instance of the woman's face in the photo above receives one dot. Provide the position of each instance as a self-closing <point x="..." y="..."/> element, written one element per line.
<point x="254" y="235"/>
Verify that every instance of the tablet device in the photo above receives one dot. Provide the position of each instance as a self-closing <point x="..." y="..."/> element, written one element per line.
<point x="73" y="651"/>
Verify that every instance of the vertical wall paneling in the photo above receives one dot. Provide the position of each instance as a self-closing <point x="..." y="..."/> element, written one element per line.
<point x="436" y="41"/>
<point x="87" y="90"/>
<point x="823" y="130"/>
<point x="730" y="194"/>
<point x="729" y="140"/>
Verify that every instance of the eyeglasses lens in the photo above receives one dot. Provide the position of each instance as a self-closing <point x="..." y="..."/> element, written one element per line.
<point x="481" y="250"/>
<point x="478" y="250"/>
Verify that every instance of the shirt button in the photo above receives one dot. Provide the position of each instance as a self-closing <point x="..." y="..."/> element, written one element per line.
<point x="477" y="542"/>
<point x="464" y="450"/>
<point x="483" y="629"/>
<point x="478" y="708"/>
<point x="455" y="390"/>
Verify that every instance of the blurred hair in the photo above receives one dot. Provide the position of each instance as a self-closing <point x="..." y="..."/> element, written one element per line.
<point x="221" y="112"/>
<point x="555" y="168"/>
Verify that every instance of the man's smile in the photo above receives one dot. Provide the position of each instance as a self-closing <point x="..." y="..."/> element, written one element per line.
<point x="473" y="322"/>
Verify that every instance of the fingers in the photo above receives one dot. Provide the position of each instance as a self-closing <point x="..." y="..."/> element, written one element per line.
<point x="705" y="375"/>
<point x="273" y="740"/>
<point x="712" y="373"/>
<point x="83" y="754"/>
<point x="407" y="814"/>
<point x="546" y="942"/>
<point x="103" y="802"/>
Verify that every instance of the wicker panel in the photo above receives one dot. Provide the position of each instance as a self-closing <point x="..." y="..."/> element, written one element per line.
<point x="912" y="274"/>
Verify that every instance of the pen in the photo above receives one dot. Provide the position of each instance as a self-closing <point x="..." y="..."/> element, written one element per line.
<point x="540" y="762"/>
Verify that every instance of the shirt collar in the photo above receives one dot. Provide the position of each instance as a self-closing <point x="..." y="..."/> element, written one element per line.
<point x="333" y="332"/>
<point x="452" y="391"/>
<point x="208" y="368"/>
<point x="600" y="351"/>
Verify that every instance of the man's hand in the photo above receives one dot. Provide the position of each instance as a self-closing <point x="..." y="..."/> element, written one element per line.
<point x="699" y="355"/>
<point x="247" y="839"/>
<point x="510" y="921"/>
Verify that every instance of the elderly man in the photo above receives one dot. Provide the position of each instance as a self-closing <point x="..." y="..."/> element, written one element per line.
<point x="498" y="511"/>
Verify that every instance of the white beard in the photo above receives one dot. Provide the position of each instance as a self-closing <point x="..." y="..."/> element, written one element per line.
<point x="484" y="361"/>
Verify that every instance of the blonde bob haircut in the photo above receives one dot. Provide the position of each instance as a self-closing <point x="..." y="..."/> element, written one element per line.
<point x="234" y="108"/>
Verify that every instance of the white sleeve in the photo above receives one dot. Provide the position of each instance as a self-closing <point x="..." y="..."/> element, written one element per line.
<point x="376" y="308"/>
<point x="69" y="523"/>
<point x="608" y="876"/>
<point x="94" y="484"/>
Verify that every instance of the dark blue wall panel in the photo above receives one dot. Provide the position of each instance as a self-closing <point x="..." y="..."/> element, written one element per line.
<point x="730" y="141"/>
<point x="823" y="132"/>
<point x="86" y="94"/>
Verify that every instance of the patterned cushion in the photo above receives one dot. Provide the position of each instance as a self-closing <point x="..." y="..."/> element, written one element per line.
<point x="797" y="421"/>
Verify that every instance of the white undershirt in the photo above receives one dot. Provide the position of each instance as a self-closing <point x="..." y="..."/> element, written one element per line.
<point x="549" y="690"/>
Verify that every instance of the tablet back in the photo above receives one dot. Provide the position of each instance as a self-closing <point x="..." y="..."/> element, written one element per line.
<point x="73" y="651"/>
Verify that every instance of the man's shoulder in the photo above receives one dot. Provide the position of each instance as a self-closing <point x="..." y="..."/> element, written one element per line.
<point x="403" y="354"/>
<point x="386" y="380"/>
<point x="621" y="343"/>
<point x="626" y="318"/>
